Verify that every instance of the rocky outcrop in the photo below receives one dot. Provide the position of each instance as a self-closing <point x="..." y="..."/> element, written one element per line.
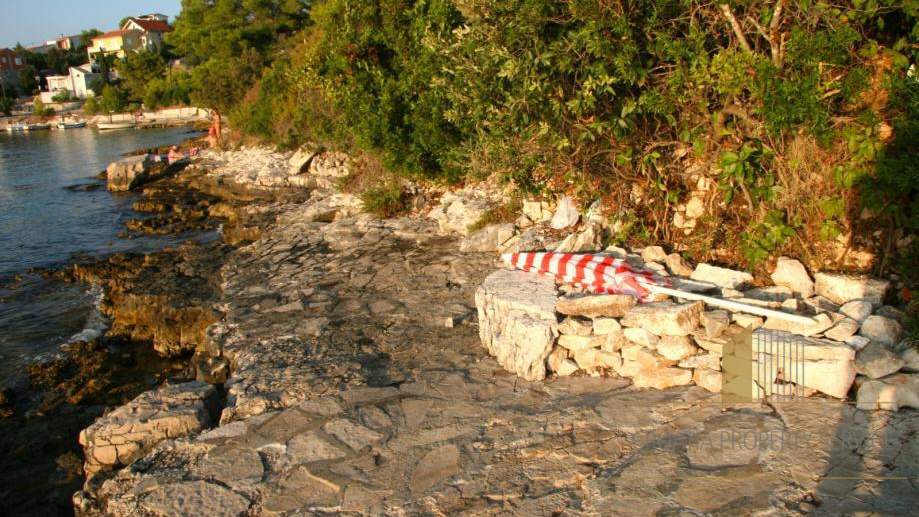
<point x="129" y="173"/>
<point x="132" y="430"/>
<point x="844" y="288"/>
<point x="517" y="321"/>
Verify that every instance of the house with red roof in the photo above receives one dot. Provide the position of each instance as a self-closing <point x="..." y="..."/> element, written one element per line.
<point x="118" y="42"/>
<point x="152" y="30"/>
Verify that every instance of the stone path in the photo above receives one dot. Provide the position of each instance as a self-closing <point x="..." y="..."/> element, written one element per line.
<point x="359" y="386"/>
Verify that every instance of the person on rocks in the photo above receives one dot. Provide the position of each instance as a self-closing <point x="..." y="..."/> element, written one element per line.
<point x="174" y="155"/>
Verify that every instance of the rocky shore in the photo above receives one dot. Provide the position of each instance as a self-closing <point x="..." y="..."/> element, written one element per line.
<point x="341" y="365"/>
<point x="340" y="368"/>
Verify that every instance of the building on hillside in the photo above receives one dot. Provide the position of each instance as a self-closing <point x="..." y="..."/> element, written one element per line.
<point x="157" y="17"/>
<point x="152" y="30"/>
<point x="10" y="65"/>
<point x="118" y="42"/>
<point x="77" y="83"/>
<point x="66" y="42"/>
<point x="43" y="49"/>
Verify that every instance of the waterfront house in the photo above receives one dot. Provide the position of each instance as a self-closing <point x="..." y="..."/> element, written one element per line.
<point x="118" y="42"/>
<point x="77" y="83"/>
<point x="152" y="28"/>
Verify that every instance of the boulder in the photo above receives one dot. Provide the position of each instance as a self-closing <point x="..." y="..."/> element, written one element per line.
<point x="604" y="326"/>
<point x="910" y="358"/>
<point x="876" y="361"/>
<point x="707" y="361"/>
<point x="665" y="319"/>
<point x="831" y="377"/>
<point x="791" y="273"/>
<point x="566" y="214"/>
<point x="596" y="305"/>
<point x="677" y="265"/>
<point x="881" y="330"/>
<point x="577" y="327"/>
<point x="708" y="379"/>
<point x="459" y="213"/>
<point x="592" y="358"/>
<point x="845" y="288"/>
<point x="720" y="276"/>
<point x="890" y="393"/>
<point x="654" y="254"/>
<point x="537" y="211"/>
<point x="676" y="348"/>
<point x="662" y="378"/>
<point x="858" y="310"/>
<point x="301" y="160"/>
<point x="129" y="173"/>
<point x="488" y="239"/>
<point x="641" y="337"/>
<point x="588" y="239"/>
<point x="575" y="343"/>
<point x="132" y="430"/>
<point x="846" y="328"/>
<point x="858" y="342"/>
<point x="517" y="321"/>
<point x="715" y="322"/>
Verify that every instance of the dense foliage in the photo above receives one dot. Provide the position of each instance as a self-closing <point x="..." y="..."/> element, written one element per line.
<point x="801" y="113"/>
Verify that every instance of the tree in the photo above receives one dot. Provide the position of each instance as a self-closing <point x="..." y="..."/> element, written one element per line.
<point x="27" y="79"/>
<point x="6" y="105"/>
<point x="86" y="38"/>
<point x="123" y="21"/>
<point x="138" y="69"/>
<point x="40" y="110"/>
<point x="221" y="29"/>
<point x="114" y="99"/>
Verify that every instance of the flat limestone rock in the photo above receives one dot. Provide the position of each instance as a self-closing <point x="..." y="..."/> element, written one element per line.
<point x="845" y="288"/>
<point x="890" y="393"/>
<point x="876" y="361"/>
<point x="132" y="430"/>
<point x="720" y="276"/>
<point x="195" y="498"/>
<point x="517" y="321"/>
<point x="662" y="378"/>
<point x="596" y="305"/>
<point x="488" y="239"/>
<point x="665" y="319"/>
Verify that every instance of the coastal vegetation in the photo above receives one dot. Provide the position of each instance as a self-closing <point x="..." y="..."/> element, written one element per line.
<point x="800" y="115"/>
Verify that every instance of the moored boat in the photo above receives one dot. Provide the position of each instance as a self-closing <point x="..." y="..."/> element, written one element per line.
<point x="115" y="125"/>
<point x="71" y="125"/>
<point x="16" y="127"/>
<point x="36" y="127"/>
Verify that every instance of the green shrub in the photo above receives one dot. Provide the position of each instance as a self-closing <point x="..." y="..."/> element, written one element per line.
<point x="385" y="200"/>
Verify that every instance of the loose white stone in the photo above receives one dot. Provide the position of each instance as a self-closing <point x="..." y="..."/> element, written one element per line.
<point x="844" y="288"/>
<point x="876" y="361"/>
<point x="858" y="310"/>
<point x="720" y="276"/>
<point x="604" y="326"/>
<point x="594" y="358"/>
<point x="574" y="343"/>
<point x="665" y="319"/>
<point x="881" y="330"/>
<point x="641" y="337"/>
<point x="858" y="342"/>
<point x="576" y="327"/>
<point x="566" y="214"/>
<point x="791" y="273"/>
<point x="488" y="239"/>
<point x="597" y="305"/>
<point x="890" y="393"/>
<point x="653" y="254"/>
<point x="676" y="348"/>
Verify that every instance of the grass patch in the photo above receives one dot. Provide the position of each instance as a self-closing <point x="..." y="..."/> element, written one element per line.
<point x="507" y="213"/>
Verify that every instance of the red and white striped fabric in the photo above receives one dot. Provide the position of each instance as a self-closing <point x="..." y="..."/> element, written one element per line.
<point x="595" y="273"/>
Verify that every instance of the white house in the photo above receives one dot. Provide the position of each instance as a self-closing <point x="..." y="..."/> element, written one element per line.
<point x="77" y="83"/>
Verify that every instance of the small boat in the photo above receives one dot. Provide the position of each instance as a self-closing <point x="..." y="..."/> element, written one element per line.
<point x="115" y="125"/>
<point x="16" y="127"/>
<point x="36" y="127"/>
<point x="71" y="125"/>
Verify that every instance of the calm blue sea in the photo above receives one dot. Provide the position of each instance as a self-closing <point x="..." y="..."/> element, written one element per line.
<point x="47" y="217"/>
